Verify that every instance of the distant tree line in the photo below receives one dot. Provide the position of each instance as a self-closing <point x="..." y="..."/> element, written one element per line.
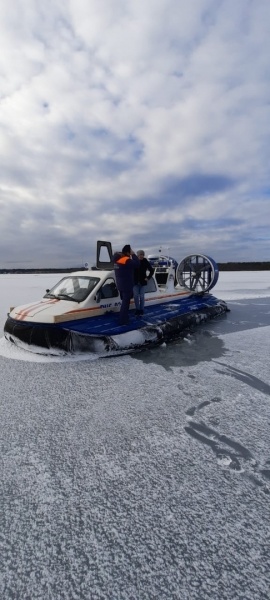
<point x="40" y="271"/>
<point x="229" y="266"/>
<point x="244" y="266"/>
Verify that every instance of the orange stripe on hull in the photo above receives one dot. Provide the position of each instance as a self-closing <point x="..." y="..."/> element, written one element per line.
<point x="175" y="296"/>
<point x="24" y="313"/>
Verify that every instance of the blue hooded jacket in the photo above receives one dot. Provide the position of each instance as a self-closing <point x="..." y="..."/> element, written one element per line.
<point x="124" y="267"/>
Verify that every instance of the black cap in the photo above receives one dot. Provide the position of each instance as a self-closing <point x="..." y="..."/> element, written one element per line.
<point x="126" y="249"/>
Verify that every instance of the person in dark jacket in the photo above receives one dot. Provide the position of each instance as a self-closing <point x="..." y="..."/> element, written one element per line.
<point x="142" y="274"/>
<point x="125" y="263"/>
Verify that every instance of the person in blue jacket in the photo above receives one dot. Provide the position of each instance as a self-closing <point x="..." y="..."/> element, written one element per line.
<point x="125" y="263"/>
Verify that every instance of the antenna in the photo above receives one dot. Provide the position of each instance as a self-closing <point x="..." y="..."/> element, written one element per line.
<point x="166" y="248"/>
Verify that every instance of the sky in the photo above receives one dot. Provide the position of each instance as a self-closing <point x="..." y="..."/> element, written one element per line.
<point x="134" y="122"/>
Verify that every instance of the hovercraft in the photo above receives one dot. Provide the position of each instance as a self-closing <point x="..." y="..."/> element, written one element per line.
<point x="80" y="313"/>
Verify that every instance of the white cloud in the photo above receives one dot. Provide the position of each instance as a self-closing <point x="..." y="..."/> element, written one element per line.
<point x="107" y="106"/>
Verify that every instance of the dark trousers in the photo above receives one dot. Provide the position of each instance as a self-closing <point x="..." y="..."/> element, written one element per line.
<point x="123" y="314"/>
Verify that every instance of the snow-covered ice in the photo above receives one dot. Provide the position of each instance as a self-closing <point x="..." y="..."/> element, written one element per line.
<point x="139" y="477"/>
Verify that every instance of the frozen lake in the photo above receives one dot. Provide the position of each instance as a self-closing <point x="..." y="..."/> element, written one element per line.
<point x="141" y="477"/>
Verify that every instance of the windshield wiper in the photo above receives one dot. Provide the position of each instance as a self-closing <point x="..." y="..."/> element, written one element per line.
<point x="49" y="295"/>
<point x="66" y="297"/>
<point x="61" y="297"/>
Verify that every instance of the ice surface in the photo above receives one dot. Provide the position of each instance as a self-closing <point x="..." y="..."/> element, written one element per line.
<point x="143" y="477"/>
<point x="242" y="285"/>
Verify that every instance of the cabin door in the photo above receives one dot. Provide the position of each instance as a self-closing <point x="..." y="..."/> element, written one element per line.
<point x="104" y="256"/>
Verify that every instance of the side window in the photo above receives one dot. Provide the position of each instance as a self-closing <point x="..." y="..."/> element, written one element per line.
<point x="108" y="290"/>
